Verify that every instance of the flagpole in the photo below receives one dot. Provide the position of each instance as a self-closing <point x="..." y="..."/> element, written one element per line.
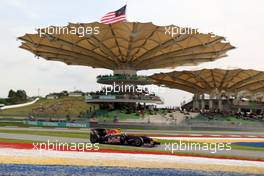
<point x="126" y="10"/>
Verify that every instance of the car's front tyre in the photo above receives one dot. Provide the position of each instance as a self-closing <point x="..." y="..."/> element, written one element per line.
<point x="138" y="142"/>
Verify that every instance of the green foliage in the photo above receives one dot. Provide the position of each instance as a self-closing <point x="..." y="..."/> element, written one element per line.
<point x="3" y="101"/>
<point x="16" y="97"/>
<point x="11" y="94"/>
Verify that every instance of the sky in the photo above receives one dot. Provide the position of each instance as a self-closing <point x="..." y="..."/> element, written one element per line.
<point x="240" y="21"/>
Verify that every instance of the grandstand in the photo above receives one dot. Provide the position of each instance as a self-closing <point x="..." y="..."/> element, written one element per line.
<point x="126" y="48"/>
<point x="232" y="92"/>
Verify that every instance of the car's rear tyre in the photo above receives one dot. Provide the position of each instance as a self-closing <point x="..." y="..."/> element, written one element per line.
<point x="122" y="140"/>
<point x="138" y="142"/>
<point x="94" y="139"/>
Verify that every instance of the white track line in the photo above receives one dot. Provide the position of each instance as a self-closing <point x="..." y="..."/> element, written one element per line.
<point x="208" y="138"/>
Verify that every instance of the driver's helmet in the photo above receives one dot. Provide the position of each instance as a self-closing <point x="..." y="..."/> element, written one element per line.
<point x="113" y="131"/>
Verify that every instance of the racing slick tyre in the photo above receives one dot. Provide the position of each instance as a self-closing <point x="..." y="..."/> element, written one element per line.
<point x="94" y="138"/>
<point x="122" y="140"/>
<point x="138" y="142"/>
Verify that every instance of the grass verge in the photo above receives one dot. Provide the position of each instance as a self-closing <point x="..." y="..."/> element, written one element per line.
<point x="83" y="135"/>
<point x="233" y="146"/>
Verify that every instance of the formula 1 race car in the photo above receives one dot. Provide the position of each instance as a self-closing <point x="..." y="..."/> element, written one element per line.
<point x="115" y="136"/>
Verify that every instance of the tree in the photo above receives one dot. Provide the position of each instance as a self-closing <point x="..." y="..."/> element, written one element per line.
<point x="15" y="97"/>
<point x="21" y="95"/>
<point x="3" y="101"/>
<point x="11" y="94"/>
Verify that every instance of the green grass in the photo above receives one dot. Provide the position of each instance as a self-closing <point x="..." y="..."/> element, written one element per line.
<point x="18" y="141"/>
<point x="231" y="119"/>
<point x="234" y="119"/>
<point x="233" y="146"/>
<point x="83" y="135"/>
<point x="21" y="124"/>
<point x="122" y="115"/>
<point x="65" y="105"/>
<point x="119" y="114"/>
<point x="240" y="147"/>
<point x="17" y="124"/>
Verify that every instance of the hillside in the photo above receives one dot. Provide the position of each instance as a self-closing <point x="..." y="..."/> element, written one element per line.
<point x="62" y="106"/>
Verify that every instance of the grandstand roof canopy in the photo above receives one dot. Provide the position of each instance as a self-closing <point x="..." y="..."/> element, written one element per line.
<point x="208" y="80"/>
<point x="129" y="45"/>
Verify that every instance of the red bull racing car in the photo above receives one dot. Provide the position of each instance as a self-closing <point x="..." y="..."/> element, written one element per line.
<point x="115" y="136"/>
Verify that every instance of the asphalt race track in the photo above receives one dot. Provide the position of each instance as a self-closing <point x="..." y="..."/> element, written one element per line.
<point x="164" y="132"/>
<point x="234" y="152"/>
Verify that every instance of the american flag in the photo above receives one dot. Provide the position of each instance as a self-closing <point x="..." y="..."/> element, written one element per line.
<point x="114" y="17"/>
